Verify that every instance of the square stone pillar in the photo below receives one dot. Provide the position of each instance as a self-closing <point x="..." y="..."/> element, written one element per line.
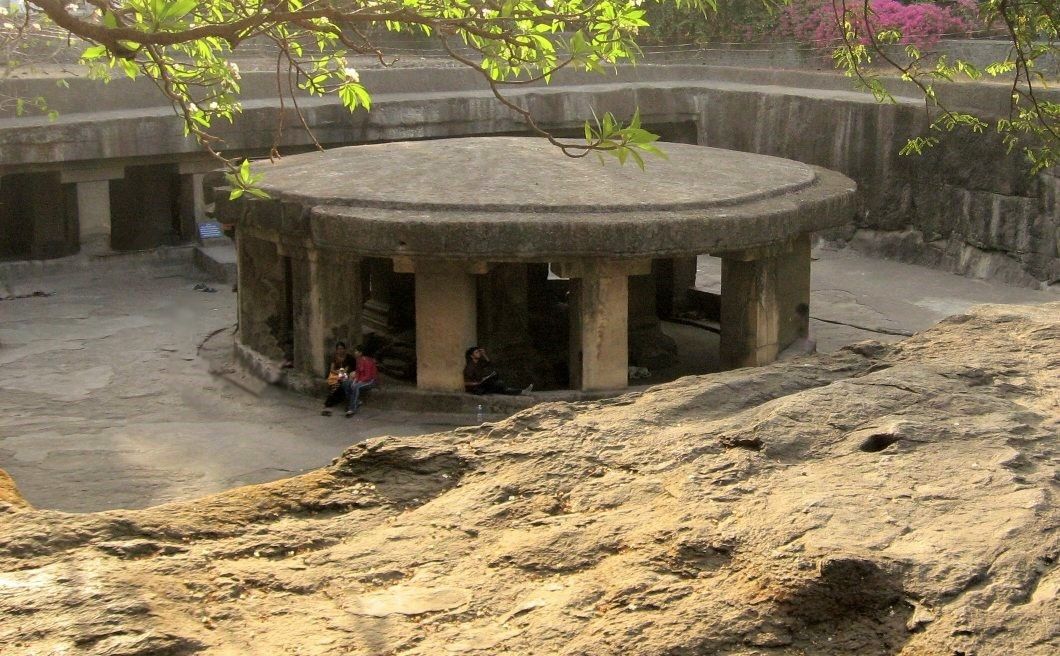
<point x="760" y="291"/>
<point x="93" y="205"/>
<point x="329" y="308"/>
<point x="793" y="280"/>
<point x="93" y="215"/>
<point x="599" y="311"/>
<point x="263" y="296"/>
<point x="574" y="342"/>
<point x="192" y="205"/>
<point x="192" y="196"/>
<point x="749" y="312"/>
<point x="446" y="319"/>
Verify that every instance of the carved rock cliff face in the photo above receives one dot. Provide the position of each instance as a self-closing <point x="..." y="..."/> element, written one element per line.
<point x="883" y="500"/>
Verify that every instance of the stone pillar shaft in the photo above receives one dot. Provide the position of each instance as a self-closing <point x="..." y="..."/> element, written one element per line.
<point x="94" y="211"/>
<point x="793" y="279"/>
<point x="574" y="345"/>
<point x="749" y="318"/>
<point x="198" y="197"/>
<point x="446" y="322"/>
<point x="192" y="204"/>
<point x="93" y="215"/>
<point x="263" y="296"/>
<point x="333" y="307"/>
<point x="244" y="285"/>
<point x="760" y="292"/>
<point x="599" y="353"/>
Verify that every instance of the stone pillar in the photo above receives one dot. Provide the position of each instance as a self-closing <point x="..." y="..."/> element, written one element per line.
<point x="245" y="287"/>
<point x="446" y="319"/>
<point x="574" y="343"/>
<point x="603" y="308"/>
<point x="192" y="197"/>
<point x="93" y="205"/>
<point x="793" y="280"/>
<point x="192" y="205"/>
<point x="760" y="291"/>
<point x="749" y="317"/>
<point x="331" y="309"/>
<point x="599" y="309"/>
<point x="93" y="215"/>
<point x="263" y="305"/>
<point x="305" y="304"/>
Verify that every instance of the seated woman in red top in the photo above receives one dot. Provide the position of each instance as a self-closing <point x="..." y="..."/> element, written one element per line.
<point x="363" y="377"/>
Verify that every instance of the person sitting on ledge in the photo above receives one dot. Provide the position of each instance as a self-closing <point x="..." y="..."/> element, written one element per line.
<point x="342" y="362"/>
<point x="480" y="376"/>
<point x="363" y="377"/>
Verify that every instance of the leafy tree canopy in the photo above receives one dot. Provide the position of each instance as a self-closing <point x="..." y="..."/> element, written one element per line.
<point x="1032" y="123"/>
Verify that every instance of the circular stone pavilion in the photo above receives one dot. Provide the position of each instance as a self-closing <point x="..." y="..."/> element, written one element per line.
<point x="465" y="229"/>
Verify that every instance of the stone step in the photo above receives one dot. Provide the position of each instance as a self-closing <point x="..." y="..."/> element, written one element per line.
<point x="217" y="259"/>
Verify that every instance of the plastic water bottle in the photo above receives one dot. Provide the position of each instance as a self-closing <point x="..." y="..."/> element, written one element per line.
<point x="480" y="414"/>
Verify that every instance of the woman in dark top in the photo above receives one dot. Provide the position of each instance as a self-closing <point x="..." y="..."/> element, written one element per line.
<point x="480" y="376"/>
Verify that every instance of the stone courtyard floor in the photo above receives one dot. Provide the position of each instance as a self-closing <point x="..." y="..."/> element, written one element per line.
<point x="107" y="401"/>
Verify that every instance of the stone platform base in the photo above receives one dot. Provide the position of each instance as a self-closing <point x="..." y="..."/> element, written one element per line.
<point x="19" y="270"/>
<point x="217" y="259"/>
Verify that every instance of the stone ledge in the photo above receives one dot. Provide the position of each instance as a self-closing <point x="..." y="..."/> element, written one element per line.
<point x="17" y="270"/>
<point x="399" y="395"/>
<point x="217" y="260"/>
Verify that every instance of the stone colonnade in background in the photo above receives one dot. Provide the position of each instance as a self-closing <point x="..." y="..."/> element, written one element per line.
<point x="100" y="208"/>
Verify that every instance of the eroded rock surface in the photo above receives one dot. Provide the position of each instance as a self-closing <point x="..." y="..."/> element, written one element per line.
<point x="895" y="499"/>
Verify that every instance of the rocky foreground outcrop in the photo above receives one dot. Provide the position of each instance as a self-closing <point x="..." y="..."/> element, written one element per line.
<point x="883" y="500"/>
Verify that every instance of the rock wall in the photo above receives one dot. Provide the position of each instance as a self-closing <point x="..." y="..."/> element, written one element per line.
<point x="965" y="206"/>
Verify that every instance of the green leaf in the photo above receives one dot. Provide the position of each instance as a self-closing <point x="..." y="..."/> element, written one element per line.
<point x="180" y="8"/>
<point x="93" y="52"/>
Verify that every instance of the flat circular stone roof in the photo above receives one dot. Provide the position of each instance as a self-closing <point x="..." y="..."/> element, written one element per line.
<point x="523" y="174"/>
<point x="521" y="199"/>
